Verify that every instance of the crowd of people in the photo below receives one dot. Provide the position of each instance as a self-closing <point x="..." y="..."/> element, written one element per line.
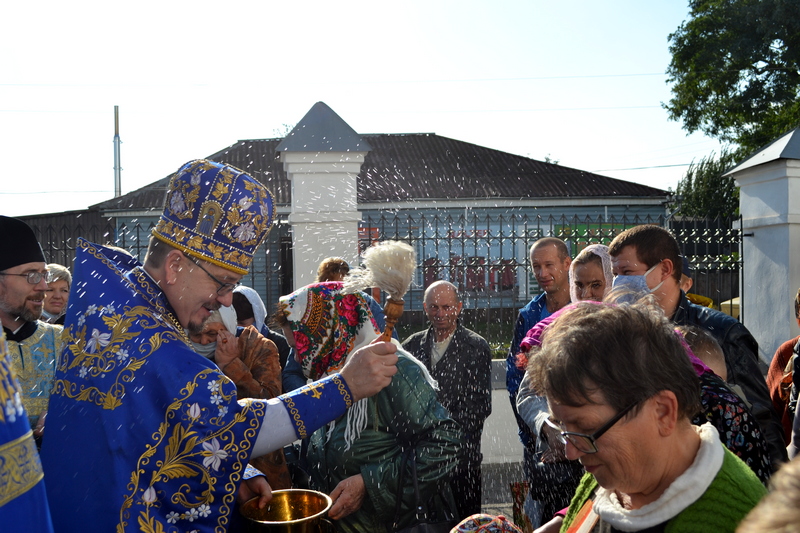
<point x="161" y="395"/>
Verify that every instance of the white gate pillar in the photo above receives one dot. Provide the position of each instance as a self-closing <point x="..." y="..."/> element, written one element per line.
<point x="322" y="157"/>
<point x="769" y="202"/>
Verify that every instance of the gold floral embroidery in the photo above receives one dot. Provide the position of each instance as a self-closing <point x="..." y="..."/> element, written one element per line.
<point x="10" y="390"/>
<point x="191" y="443"/>
<point x="20" y="468"/>
<point x="110" y="353"/>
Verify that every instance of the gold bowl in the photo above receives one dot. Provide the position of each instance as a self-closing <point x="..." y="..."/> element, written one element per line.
<point x="291" y="511"/>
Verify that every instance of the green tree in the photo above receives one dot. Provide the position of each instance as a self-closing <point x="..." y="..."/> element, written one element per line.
<point x="703" y="191"/>
<point x="735" y="70"/>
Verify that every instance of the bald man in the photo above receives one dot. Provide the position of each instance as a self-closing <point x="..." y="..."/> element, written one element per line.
<point x="460" y="361"/>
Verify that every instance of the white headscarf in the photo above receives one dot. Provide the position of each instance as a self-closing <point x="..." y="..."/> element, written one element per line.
<point x="601" y="251"/>
<point x="259" y="309"/>
<point x="227" y="317"/>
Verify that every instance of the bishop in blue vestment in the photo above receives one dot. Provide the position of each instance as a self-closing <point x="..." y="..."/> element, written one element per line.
<point x="143" y="433"/>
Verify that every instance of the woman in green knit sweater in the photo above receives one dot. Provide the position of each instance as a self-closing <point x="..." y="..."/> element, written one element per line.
<point x="622" y="393"/>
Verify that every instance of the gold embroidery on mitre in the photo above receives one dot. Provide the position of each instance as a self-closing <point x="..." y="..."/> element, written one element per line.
<point x="20" y="467"/>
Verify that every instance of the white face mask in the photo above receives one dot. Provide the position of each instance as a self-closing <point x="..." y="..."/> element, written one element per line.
<point x="206" y="350"/>
<point x="636" y="284"/>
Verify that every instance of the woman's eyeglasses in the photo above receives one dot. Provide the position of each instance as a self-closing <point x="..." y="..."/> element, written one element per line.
<point x="588" y="443"/>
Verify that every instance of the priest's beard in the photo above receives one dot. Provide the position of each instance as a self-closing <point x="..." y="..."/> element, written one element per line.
<point x="23" y="312"/>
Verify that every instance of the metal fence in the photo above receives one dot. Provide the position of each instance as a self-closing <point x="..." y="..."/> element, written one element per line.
<point x="486" y="256"/>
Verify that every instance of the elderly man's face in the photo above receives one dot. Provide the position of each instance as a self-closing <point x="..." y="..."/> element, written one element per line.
<point x="442" y="308"/>
<point x="18" y="298"/>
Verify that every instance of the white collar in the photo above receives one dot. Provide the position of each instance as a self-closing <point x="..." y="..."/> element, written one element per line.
<point x="683" y="492"/>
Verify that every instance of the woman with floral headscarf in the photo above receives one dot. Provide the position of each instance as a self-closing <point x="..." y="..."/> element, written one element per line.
<point x="358" y="457"/>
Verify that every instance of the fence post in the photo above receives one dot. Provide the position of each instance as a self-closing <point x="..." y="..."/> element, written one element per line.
<point x="769" y="187"/>
<point x="322" y="157"/>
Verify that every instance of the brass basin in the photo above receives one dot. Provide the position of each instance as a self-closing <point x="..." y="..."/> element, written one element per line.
<point x="290" y="511"/>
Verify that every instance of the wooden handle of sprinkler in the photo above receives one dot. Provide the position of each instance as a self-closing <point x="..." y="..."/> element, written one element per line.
<point x="393" y="309"/>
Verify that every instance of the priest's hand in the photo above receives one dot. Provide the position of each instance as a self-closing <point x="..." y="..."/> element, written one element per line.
<point x="370" y="369"/>
<point x="347" y="497"/>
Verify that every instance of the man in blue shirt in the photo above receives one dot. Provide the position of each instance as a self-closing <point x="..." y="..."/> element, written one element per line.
<point x="550" y="262"/>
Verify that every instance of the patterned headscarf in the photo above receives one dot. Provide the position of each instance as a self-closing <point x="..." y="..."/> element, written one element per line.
<point x="327" y="326"/>
<point x="601" y="251"/>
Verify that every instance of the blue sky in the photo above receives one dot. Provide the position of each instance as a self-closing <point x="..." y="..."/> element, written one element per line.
<point x="580" y="81"/>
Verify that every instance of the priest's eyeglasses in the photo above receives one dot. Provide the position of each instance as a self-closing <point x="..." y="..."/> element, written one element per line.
<point x="588" y="443"/>
<point x="34" y="277"/>
<point x="224" y="288"/>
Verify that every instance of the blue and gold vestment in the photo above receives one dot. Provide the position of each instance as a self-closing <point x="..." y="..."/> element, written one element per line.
<point x="144" y="434"/>
<point x="33" y="361"/>
<point x="23" y="502"/>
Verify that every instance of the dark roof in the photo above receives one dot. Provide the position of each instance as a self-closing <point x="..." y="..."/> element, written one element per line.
<point x="418" y="166"/>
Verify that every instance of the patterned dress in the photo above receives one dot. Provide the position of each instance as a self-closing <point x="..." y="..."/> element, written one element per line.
<point x="737" y="428"/>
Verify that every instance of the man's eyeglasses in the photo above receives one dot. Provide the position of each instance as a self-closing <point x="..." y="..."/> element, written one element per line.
<point x="34" y="277"/>
<point x="588" y="443"/>
<point x="224" y="288"/>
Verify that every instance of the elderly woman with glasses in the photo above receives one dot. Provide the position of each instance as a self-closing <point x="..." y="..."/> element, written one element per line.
<point x="622" y="394"/>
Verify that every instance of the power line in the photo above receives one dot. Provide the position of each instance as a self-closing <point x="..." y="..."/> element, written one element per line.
<point x="640" y="168"/>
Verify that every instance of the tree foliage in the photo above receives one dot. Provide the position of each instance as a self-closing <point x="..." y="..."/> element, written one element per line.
<point x="703" y="191"/>
<point x="735" y="70"/>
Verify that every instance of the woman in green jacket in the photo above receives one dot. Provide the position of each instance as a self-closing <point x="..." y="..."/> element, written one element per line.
<point x="357" y="459"/>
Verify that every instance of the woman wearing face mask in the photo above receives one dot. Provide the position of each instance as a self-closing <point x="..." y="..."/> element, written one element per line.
<point x="251" y="362"/>
<point x="737" y="428"/>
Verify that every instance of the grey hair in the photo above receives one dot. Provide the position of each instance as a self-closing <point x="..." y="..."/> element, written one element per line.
<point x="59" y="273"/>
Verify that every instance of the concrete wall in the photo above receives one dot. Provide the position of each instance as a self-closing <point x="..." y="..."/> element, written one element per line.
<point x="324" y="215"/>
<point x="771" y="251"/>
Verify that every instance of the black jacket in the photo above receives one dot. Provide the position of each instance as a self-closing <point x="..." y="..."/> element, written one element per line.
<point x="464" y="375"/>
<point x="741" y="362"/>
